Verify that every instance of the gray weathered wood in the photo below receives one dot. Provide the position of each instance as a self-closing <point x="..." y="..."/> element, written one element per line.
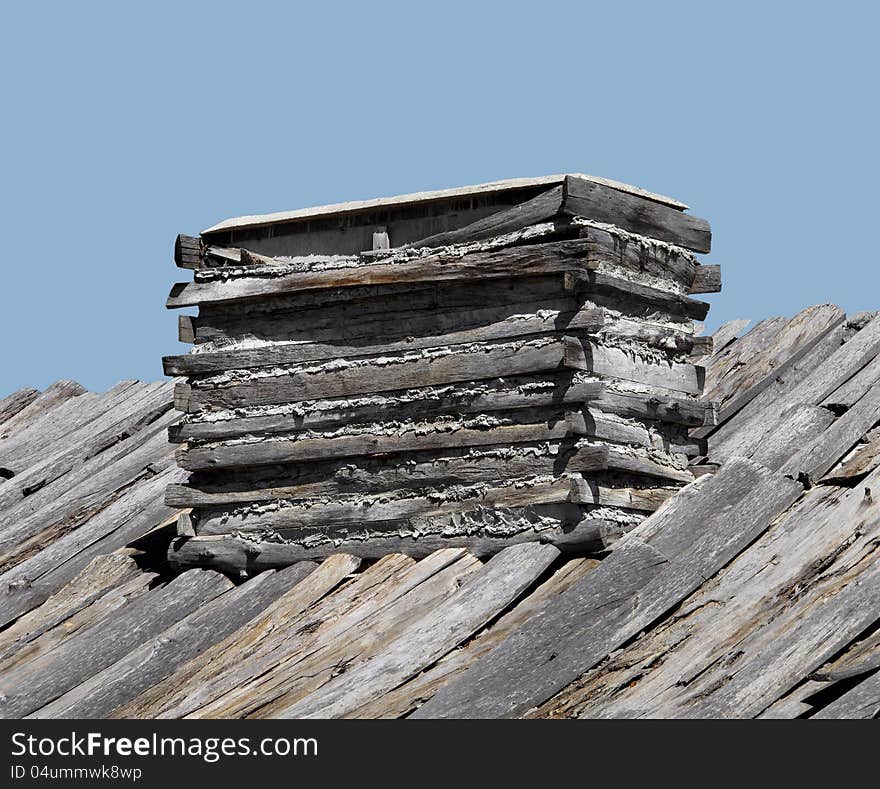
<point x="381" y="512"/>
<point x="485" y="595"/>
<point x="158" y="657"/>
<point x="281" y="450"/>
<point x="546" y="322"/>
<point x="232" y="554"/>
<point x="542" y="208"/>
<point x="53" y="396"/>
<point x="530" y="260"/>
<point x="528" y="666"/>
<point x="501" y="395"/>
<point x="34" y="684"/>
<point x="707" y="279"/>
<point x="601" y="284"/>
<point x="728" y="332"/>
<point x="579" y="628"/>
<point x="456" y="466"/>
<point x="596" y="201"/>
<point x="799" y="426"/>
<point x="816" y="458"/>
<point x="614" y="362"/>
<point x="12" y="404"/>
<point x="189" y="252"/>
<point x="861" y="702"/>
<point x="366" y="376"/>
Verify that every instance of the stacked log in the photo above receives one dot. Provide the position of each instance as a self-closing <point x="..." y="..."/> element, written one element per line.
<point x="530" y="376"/>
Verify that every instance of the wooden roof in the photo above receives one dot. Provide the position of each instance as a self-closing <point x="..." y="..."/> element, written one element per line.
<point x="754" y="593"/>
<point x="340" y="209"/>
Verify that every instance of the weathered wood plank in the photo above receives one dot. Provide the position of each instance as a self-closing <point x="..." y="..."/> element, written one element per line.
<point x="742" y="432"/>
<point x="774" y="362"/>
<point x="727" y="332"/>
<point x="158" y="657"/>
<point x="348" y="631"/>
<point x="816" y="458"/>
<point x="198" y="676"/>
<point x="101" y="585"/>
<point x="392" y="320"/>
<point x="366" y="375"/>
<point x="644" y="580"/>
<point x="860" y="702"/>
<point x="505" y="681"/>
<point x="614" y="362"/>
<point x="499" y="583"/>
<point x="505" y="394"/>
<point x="602" y="284"/>
<point x="189" y="252"/>
<point x="456" y="466"/>
<point x="277" y="354"/>
<point x="35" y="683"/>
<point x="853" y="390"/>
<point x="280" y="450"/>
<point x="377" y="510"/>
<point x="511" y="261"/>
<point x="799" y="426"/>
<point x="53" y="396"/>
<point x="403" y="700"/>
<point x="12" y="404"/>
<point x="232" y="554"/>
<point x="796" y="643"/>
<point x="638" y="254"/>
<point x="601" y="203"/>
<point x="499" y="259"/>
<point x="356" y="312"/>
<point x="707" y="279"/>
<point x="864" y="459"/>
<point x="542" y="208"/>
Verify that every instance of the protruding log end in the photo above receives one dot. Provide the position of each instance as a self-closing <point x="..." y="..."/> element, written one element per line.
<point x="189" y="252"/>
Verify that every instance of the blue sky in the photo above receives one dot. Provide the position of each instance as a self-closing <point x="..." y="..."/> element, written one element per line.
<point x="124" y="125"/>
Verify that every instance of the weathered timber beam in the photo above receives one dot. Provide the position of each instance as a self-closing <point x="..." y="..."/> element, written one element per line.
<point x="707" y="279"/>
<point x="703" y="346"/>
<point x="186" y="328"/>
<point x="596" y="282"/>
<point x="367" y="376"/>
<point x="613" y="362"/>
<point x="601" y="203"/>
<point x="272" y="279"/>
<point x="233" y="555"/>
<point x="542" y="208"/>
<point x="272" y="451"/>
<point x="639" y="254"/>
<point x="586" y="320"/>
<point x="502" y="395"/>
<point x="189" y="252"/>
<point x="368" y="475"/>
<point x="528" y="260"/>
<point x="380" y="512"/>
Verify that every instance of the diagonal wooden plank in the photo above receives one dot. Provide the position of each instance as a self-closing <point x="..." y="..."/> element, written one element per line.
<point x="539" y="209"/>
<point x="197" y="677"/>
<point x="38" y="682"/>
<point x="632" y="588"/>
<point x="500" y="582"/>
<point x="158" y="657"/>
<point x="861" y="701"/>
<point x="592" y="200"/>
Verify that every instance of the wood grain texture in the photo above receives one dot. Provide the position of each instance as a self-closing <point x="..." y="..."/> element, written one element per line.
<point x="599" y="202"/>
<point x="155" y="659"/>
<point x="500" y="583"/>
